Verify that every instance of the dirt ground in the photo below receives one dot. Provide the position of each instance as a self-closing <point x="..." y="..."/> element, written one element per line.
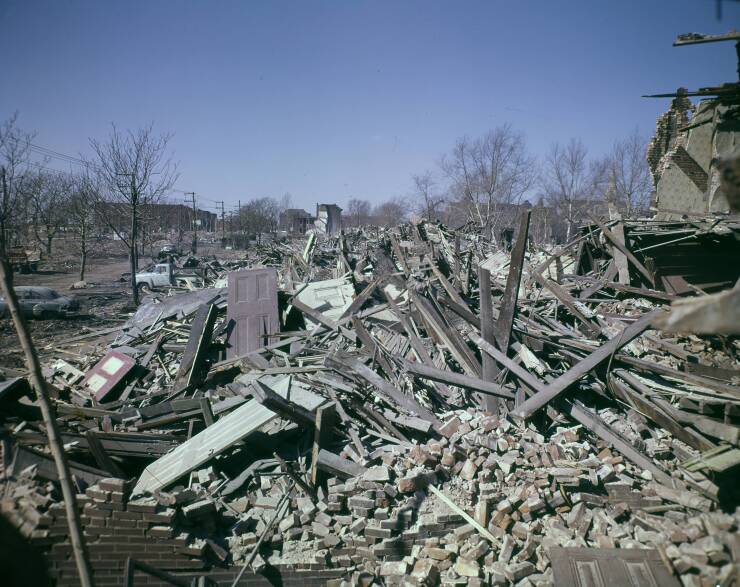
<point x="105" y="303"/>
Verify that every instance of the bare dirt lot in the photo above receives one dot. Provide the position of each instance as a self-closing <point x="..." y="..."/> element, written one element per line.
<point x="105" y="303"/>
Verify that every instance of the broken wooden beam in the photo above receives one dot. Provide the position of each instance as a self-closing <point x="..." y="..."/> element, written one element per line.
<point x="581" y="369"/>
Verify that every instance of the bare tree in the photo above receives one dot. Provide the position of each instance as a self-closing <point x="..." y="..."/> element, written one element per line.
<point x="429" y="200"/>
<point x="15" y="146"/>
<point x="489" y="174"/>
<point x="629" y="175"/>
<point x="260" y="215"/>
<point x="48" y="194"/>
<point x="286" y="201"/>
<point x="132" y="169"/>
<point x="80" y="207"/>
<point x="570" y="182"/>
<point x="358" y="211"/>
<point x="391" y="212"/>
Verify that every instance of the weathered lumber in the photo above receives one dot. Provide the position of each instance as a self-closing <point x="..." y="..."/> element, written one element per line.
<point x="361" y="298"/>
<point x="336" y="465"/>
<point x="505" y="322"/>
<point x="280" y="405"/>
<point x="451" y="338"/>
<point x="620" y="259"/>
<point x="191" y="371"/>
<point x="458" y="379"/>
<point x="314" y="314"/>
<point x="567" y="300"/>
<point x="343" y="361"/>
<point x="489" y="371"/>
<point x="627" y="253"/>
<point x="655" y="409"/>
<point x="326" y="417"/>
<point x="596" y="358"/>
<point x="595" y="424"/>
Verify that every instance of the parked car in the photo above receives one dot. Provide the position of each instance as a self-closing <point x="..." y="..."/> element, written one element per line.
<point x="42" y="303"/>
<point x="169" y="250"/>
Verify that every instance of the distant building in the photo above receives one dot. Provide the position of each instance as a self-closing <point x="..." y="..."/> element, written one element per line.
<point x="295" y="221"/>
<point x="155" y="217"/>
<point x="328" y="219"/>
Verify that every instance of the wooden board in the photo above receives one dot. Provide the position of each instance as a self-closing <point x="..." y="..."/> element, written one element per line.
<point x="224" y="433"/>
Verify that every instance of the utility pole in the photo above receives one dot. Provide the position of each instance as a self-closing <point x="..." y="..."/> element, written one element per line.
<point x="223" y="224"/>
<point x="239" y="216"/>
<point x="195" y="223"/>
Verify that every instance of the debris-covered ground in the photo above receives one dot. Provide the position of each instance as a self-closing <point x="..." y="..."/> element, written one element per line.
<point x="402" y="405"/>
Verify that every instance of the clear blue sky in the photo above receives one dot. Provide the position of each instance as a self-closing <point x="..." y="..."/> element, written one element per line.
<point x="330" y="100"/>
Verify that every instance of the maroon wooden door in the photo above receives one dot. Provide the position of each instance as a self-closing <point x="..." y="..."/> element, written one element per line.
<point x="253" y="309"/>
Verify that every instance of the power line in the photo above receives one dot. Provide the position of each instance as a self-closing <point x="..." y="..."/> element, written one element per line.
<point x="48" y="152"/>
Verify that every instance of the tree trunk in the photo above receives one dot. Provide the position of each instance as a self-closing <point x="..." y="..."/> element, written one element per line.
<point x="132" y="257"/>
<point x="2" y="212"/>
<point x="83" y="251"/>
<point x="52" y="431"/>
<point x="49" y="238"/>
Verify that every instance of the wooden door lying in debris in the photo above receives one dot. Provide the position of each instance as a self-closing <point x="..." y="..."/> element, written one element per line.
<point x="252" y="310"/>
<point x="610" y="567"/>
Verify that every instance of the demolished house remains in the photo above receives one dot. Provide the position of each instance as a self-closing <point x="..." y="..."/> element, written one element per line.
<point x="413" y="405"/>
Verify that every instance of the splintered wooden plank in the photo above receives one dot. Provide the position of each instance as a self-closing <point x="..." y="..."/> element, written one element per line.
<point x="581" y="369"/>
<point x="368" y="341"/>
<point x="280" y="405"/>
<point x="448" y="287"/>
<point x="315" y="315"/>
<point x="458" y="379"/>
<point x="190" y="371"/>
<point x="224" y="433"/>
<point x="252" y="310"/>
<point x="649" y="403"/>
<point x="598" y="426"/>
<point x="341" y="361"/>
<point x="338" y="466"/>
<point x="507" y="312"/>
<point x="567" y="300"/>
<point x="488" y="332"/>
<point x="416" y="343"/>
<point x="609" y="273"/>
<point x="614" y="239"/>
<point x="326" y="418"/>
<point x="451" y="337"/>
<point x="361" y="298"/>
<point x="101" y="457"/>
<point x="612" y="567"/>
<point x="620" y="259"/>
<point x="24" y="457"/>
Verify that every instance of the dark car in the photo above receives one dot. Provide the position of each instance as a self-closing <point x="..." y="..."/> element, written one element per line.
<point x="42" y="303"/>
<point x="169" y="250"/>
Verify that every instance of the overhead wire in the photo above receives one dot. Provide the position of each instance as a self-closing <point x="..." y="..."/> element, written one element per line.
<point x="48" y="152"/>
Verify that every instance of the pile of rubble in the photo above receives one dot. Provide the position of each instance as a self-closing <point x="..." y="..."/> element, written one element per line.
<point x="408" y="405"/>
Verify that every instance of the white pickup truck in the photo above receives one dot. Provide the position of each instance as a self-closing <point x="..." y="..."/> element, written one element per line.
<point x="163" y="275"/>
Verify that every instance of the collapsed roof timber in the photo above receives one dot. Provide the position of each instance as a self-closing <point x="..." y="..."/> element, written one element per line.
<point x="408" y="404"/>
